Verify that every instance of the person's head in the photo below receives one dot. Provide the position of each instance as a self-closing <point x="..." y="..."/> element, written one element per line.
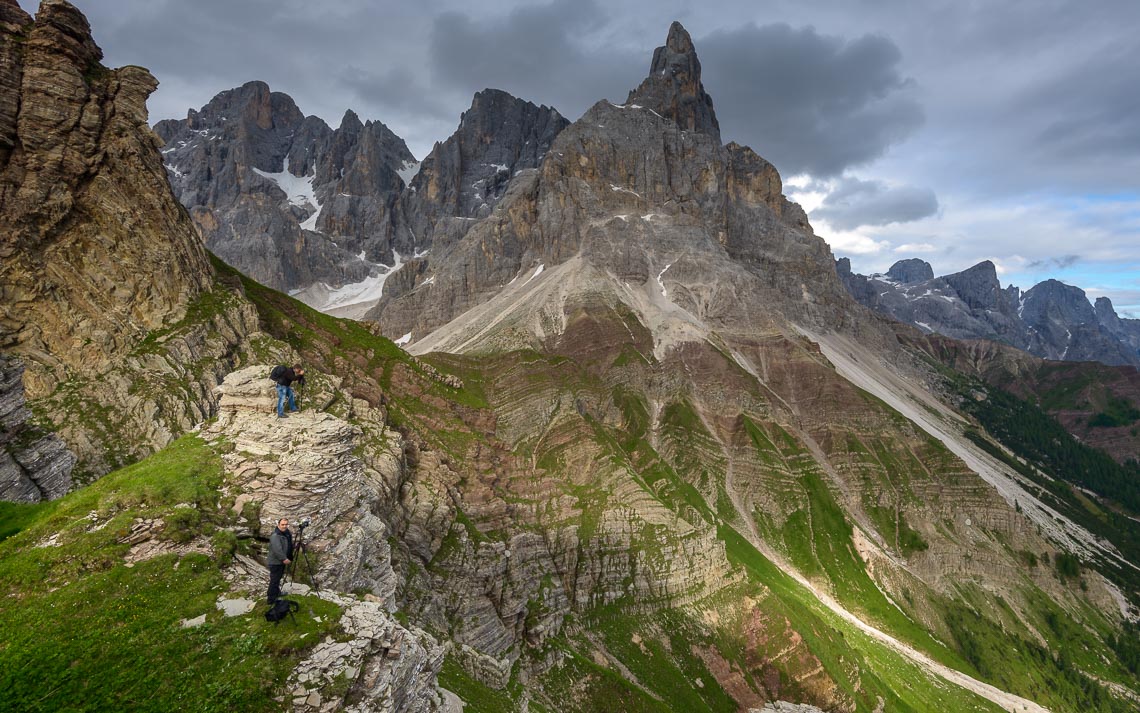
<point x="283" y="524"/>
<point x="298" y="370"/>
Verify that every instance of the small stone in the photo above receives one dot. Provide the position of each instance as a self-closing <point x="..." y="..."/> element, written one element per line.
<point x="196" y="621"/>
<point x="314" y="699"/>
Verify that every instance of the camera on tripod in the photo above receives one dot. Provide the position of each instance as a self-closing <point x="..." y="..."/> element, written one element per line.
<point x="301" y="552"/>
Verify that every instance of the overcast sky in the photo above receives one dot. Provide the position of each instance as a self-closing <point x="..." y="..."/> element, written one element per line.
<point x="946" y="130"/>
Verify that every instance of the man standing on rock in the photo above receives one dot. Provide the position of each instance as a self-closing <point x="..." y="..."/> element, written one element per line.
<point x="285" y="377"/>
<point x="280" y="555"/>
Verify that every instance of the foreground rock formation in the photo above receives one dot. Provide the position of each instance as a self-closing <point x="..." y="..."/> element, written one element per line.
<point x="306" y="466"/>
<point x="106" y="288"/>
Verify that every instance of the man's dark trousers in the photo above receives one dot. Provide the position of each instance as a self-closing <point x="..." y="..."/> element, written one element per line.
<point x="276" y="572"/>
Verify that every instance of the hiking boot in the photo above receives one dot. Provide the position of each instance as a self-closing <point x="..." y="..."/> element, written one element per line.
<point x="281" y="415"/>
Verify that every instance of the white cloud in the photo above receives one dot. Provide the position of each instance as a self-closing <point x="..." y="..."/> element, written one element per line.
<point x="916" y="248"/>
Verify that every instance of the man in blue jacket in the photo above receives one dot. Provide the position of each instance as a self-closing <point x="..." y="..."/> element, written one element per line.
<point x="280" y="555"/>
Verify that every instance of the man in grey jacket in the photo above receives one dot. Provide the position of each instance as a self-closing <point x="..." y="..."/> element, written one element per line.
<point x="280" y="555"/>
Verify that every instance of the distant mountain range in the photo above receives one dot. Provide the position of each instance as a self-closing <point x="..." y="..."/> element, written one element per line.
<point x="329" y="214"/>
<point x="1050" y="320"/>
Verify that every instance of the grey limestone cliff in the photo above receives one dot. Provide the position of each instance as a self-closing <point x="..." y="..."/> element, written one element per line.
<point x="464" y="177"/>
<point x="673" y="87"/>
<point x="634" y="193"/>
<point x="281" y="196"/>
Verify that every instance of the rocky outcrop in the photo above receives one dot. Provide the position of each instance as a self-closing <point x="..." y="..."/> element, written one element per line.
<point x="1051" y="320"/>
<point x="14" y="23"/>
<point x="388" y="668"/>
<point x="108" y="297"/>
<point x="909" y="271"/>
<point x="1125" y="330"/>
<point x="34" y="465"/>
<point x="281" y="196"/>
<point x="464" y="177"/>
<point x="304" y="466"/>
<point x="96" y="252"/>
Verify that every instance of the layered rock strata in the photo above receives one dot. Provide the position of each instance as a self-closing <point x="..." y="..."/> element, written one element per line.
<point x="106" y="286"/>
<point x="34" y="465"/>
<point x="96" y="253"/>
<point x="388" y="668"/>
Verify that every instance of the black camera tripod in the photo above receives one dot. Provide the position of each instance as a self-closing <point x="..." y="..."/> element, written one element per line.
<point x="301" y="551"/>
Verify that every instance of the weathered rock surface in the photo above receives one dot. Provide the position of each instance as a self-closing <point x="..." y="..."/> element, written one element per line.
<point x="281" y="196"/>
<point x="395" y="530"/>
<point x="673" y="87"/>
<point x="96" y="252"/>
<point x="388" y="668"/>
<point x="1051" y="320"/>
<point x="101" y="266"/>
<point x="304" y="466"/>
<point x="910" y="271"/>
<point x="34" y="465"/>
<point x="464" y="177"/>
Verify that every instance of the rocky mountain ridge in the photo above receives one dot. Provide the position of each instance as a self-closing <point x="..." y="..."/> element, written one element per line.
<point x="330" y="214"/>
<point x="281" y="196"/>
<point x="1052" y="320"/>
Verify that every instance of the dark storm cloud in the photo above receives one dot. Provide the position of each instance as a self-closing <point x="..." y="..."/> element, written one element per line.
<point x="809" y="103"/>
<point x="854" y="203"/>
<point x="1054" y="263"/>
<point x="392" y="89"/>
<point x="536" y="52"/>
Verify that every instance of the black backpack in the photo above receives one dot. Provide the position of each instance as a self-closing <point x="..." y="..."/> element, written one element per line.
<point x="277" y="373"/>
<point x="280" y="609"/>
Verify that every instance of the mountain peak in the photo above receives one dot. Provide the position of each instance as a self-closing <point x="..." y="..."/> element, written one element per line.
<point x="678" y="41"/>
<point x="911" y="271"/>
<point x="673" y="87"/>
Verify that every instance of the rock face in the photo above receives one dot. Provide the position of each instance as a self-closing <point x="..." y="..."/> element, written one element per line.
<point x="281" y="196"/>
<point x="464" y="177"/>
<point x="909" y="271"/>
<point x="106" y="288"/>
<point x="304" y="466"/>
<point x="1126" y="330"/>
<point x="330" y="214"/>
<point x="388" y="668"/>
<point x="34" y="466"/>
<point x="1051" y="320"/>
<point x="673" y="87"/>
<point x="95" y="250"/>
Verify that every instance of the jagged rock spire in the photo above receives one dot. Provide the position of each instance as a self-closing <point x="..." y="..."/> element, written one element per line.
<point x="673" y="87"/>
